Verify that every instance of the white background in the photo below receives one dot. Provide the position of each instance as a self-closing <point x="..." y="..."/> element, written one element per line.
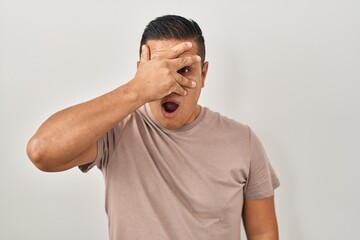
<point x="289" y="69"/>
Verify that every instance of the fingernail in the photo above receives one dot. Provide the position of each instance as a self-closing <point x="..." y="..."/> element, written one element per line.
<point x="189" y="44"/>
<point x="193" y="84"/>
<point x="198" y="58"/>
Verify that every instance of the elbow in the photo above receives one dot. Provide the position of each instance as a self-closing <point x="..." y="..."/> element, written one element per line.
<point x="36" y="152"/>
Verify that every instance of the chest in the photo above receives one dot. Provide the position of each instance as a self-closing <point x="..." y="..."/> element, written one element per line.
<point x="204" y="178"/>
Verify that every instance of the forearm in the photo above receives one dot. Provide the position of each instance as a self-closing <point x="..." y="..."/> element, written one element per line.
<point x="70" y="132"/>
<point x="68" y="138"/>
<point x="259" y="219"/>
<point x="272" y="235"/>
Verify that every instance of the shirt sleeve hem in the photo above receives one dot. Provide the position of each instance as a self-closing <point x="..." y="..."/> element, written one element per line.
<point x="86" y="167"/>
<point x="262" y="195"/>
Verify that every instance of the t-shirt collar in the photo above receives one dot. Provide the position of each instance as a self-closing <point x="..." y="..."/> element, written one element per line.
<point x="184" y="128"/>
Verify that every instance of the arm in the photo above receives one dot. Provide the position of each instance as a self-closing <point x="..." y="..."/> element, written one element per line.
<point x="68" y="138"/>
<point x="260" y="219"/>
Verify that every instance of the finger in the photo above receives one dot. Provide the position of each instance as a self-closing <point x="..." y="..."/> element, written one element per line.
<point x="179" y="90"/>
<point x="179" y="63"/>
<point x="145" y="53"/>
<point x="173" y="52"/>
<point x="179" y="49"/>
<point x="185" y="82"/>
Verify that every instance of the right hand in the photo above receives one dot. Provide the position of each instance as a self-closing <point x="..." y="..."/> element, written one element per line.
<point x="158" y="77"/>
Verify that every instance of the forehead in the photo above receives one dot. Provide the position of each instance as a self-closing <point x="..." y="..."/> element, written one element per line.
<point x="158" y="46"/>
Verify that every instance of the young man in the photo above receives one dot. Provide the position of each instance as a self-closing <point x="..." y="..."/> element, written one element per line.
<point x="173" y="169"/>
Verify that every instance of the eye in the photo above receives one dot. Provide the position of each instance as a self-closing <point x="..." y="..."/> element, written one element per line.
<point x="184" y="70"/>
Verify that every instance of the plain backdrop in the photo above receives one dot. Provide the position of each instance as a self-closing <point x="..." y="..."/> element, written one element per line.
<point x="289" y="69"/>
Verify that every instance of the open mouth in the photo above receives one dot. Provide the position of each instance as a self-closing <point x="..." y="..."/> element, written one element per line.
<point x="169" y="106"/>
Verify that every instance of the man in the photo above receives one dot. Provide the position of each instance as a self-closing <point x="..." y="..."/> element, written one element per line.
<point x="173" y="169"/>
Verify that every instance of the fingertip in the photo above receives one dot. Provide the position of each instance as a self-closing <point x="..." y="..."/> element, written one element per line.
<point x="198" y="58"/>
<point x="145" y="54"/>
<point x="144" y="48"/>
<point x="193" y="84"/>
<point x="189" y="44"/>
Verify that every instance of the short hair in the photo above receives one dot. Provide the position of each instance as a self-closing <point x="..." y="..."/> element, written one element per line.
<point x="174" y="27"/>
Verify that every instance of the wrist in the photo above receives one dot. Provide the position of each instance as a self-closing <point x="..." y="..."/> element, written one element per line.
<point x="132" y="94"/>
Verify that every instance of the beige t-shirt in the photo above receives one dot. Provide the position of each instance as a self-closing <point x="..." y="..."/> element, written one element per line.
<point x="184" y="184"/>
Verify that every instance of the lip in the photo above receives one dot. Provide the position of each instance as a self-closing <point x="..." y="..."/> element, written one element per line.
<point x="167" y="114"/>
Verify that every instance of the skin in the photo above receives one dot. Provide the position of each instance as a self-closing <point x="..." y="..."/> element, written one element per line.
<point x="188" y="108"/>
<point x="68" y="138"/>
<point x="259" y="219"/>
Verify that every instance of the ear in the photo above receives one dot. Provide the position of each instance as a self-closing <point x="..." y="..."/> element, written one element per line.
<point x="204" y="71"/>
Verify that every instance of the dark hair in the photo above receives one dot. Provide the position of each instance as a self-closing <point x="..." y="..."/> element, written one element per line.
<point x="174" y="27"/>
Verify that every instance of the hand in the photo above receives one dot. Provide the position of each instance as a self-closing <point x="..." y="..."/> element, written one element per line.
<point x="159" y="77"/>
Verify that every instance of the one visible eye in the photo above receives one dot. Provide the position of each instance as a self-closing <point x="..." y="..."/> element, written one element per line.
<point x="184" y="70"/>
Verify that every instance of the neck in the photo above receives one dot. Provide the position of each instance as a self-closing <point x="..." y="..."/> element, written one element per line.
<point x="194" y="115"/>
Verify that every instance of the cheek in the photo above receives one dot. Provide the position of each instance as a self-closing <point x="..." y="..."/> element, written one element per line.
<point x="192" y="96"/>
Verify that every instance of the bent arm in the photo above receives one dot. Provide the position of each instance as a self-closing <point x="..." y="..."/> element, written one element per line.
<point x="68" y="138"/>
<point x="260" y="219"/>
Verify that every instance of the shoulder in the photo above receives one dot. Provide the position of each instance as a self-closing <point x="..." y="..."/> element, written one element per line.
<point x="137" y="121"/>
<point x="129" y="122"/>
<point x="224" y="123"/>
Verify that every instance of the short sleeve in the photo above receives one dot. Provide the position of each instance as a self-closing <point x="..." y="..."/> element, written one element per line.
<point x="105" y="147"/>
<point x="262" y="179"/>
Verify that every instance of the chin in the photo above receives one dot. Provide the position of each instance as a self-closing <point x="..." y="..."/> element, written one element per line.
<point x="171" y="123"/>
<point x="170" y="126"/>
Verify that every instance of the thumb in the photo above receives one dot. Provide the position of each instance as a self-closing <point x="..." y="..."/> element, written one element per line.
<point x="145" y="53"/>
